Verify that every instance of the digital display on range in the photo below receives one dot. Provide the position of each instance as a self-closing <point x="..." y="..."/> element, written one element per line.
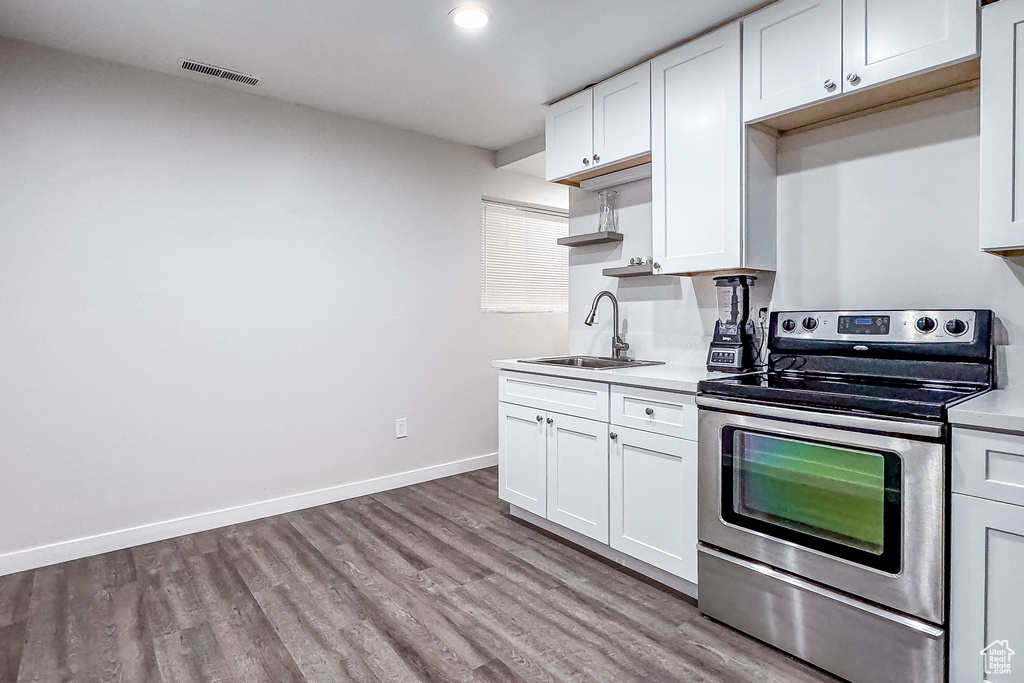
<point x="863" y="324"/>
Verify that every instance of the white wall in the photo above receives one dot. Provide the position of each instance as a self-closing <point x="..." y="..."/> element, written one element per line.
<point x="877" y="212"/>
<point x="210" y="299"/>
<point x="663" y="318"/>
<point x="883" y="212"/>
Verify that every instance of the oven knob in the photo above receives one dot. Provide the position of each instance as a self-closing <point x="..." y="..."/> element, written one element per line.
<point x="810" y="323"/>
<point x="956" y="327"/>
<point x="789" y="324"/>
<point x="926" y="324"/>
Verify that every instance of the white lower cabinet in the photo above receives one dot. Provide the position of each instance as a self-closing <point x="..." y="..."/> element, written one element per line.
<point x="522" y="457"/>
<point x="986" y="599"/>
<point x="577" y="458"/>
<point x="653" y="483"/>
<point x="635" y="492"/>
<point x="555" y="466"/>
<point x="986" y="556"/>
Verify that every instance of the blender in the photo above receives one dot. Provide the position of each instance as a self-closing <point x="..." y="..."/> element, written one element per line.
<point x="734" y="347"/>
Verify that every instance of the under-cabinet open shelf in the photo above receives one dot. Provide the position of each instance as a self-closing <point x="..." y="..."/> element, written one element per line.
<point x="629" y="271"/>
<point x="590" y="238"/>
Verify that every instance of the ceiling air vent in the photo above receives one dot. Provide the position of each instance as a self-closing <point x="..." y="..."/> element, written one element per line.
<point x="218" y="72"/>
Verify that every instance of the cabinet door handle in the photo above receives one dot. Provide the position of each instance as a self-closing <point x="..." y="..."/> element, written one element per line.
<point x="830" y="85"/>
<point x="596" y="158"/>
<point x="657" y="266"/>
<point x="853" y="78"/>
<point x="613" y="436"/>
<point x="550" y="421"/>
<point x="649" y="411"/>
<point x="540" y="418"/>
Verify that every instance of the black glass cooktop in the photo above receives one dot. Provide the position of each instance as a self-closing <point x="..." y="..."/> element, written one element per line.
<point x="900" y="399"/>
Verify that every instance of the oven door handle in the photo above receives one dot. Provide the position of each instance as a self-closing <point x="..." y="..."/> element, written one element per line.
<point x="871" y="424"/>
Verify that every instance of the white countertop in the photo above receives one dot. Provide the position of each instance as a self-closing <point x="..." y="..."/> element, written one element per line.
<point x="670" y="377"/>
<point x="1001" y="409"/>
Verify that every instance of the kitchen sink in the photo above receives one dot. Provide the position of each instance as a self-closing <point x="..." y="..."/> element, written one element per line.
<point x="593" y="362"/>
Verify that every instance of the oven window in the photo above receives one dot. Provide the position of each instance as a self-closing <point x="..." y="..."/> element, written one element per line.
<point x="842" y="501"/>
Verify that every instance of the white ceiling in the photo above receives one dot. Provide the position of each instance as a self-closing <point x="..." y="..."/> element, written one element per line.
<point x="399" y="62"/>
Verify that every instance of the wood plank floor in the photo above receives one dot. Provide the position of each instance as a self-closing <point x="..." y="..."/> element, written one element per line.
<point x="427" y="583"/>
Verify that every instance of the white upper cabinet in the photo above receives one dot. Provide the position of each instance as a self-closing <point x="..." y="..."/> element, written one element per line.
<point x="792" y="55"/>
<point x="797" y="52"/>
<point x="1002" y="126"/>
<point x="697" y="155"/>
<point x="603" y="125"/>
<point x="569" y="135"/>
<point x="622" y="116"/>
<point x="886" y="39"/>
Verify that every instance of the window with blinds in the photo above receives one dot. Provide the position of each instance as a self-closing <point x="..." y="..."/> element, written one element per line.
<point x="523" y="269"/>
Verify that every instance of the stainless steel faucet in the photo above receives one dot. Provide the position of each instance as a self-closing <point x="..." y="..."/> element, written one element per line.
<point x="619" y="347"/>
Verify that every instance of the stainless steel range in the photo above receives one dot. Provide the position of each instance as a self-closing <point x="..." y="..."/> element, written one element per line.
<point x="823" y="487"/>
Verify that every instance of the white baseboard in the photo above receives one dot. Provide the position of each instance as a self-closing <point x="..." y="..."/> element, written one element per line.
<point x="33" y="558"/>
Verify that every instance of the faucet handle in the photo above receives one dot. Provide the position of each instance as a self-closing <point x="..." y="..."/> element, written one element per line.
<point x="619" y="347"/>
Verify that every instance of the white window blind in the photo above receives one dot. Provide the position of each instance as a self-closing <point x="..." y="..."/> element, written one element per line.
<point x="523" y="269"/>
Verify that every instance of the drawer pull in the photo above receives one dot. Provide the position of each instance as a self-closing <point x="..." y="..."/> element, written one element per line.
<point x="650" y="411"/>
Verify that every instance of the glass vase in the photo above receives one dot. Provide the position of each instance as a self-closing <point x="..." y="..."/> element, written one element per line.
<point x="608" y="218"/>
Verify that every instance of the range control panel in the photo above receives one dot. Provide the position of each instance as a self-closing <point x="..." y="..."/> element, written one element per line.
<point x="880" y="326"/>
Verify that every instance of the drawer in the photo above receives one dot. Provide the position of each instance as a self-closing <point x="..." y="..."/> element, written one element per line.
<point x="988" y="465"/>
<point x="557" y="394"/>
<point x="661" y="412"/>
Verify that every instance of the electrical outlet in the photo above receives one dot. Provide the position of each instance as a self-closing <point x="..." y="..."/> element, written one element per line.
<point x="401" y="428"/>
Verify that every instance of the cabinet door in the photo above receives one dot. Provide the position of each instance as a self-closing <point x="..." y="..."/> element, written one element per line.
<point x="986" y="602"/>
<point x="697" y="155"/>
<point x="522" y="461"/>
<point x="622" y="116"/>
<point x="886" y="39"/>
<point x="569" y="135"/>
<point x="1002" y="126"/>
<point x="792" y="55"/>
<point x="578" y="475"/>
<point x="653" y="485"/>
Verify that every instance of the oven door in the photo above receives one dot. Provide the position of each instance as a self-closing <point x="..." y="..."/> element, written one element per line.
<point x="862" y="512"/>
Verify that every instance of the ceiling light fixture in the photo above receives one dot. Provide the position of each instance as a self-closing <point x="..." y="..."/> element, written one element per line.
<point x="470" y="17"/>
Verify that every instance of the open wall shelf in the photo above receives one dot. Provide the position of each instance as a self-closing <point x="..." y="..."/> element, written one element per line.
<point x="590" y="238"/>
<point x="629" y="271"/>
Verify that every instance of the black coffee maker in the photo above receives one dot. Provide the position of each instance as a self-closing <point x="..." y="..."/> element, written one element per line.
<point x="734" y="348"/>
